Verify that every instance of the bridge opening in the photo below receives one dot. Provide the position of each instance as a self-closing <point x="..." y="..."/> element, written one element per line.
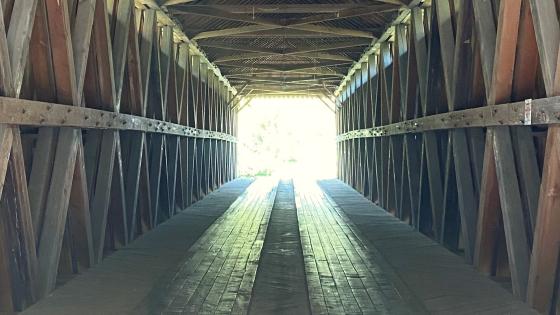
<point x="285" y="136"/>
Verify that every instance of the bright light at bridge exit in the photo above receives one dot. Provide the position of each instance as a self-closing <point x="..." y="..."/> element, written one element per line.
<point x="287" y="137"/>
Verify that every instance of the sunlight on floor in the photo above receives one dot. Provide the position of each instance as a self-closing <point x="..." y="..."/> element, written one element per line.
<point x="287" y="136"/>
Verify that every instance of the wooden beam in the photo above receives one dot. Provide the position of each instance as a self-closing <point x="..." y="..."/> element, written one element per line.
<point x="455" y="77"/>
<point x="265" y="69"/>
<point x="55" y="209"/>
<point x="6" y="139"/>
<point x="544" y="256"/>
<point x="296" y="51"/>
<point x="175" y="2"/>
<point x="21" y="24"/>
<point x="263" y="24"/>
<point x="14" y="48"/>
<point x="280" y="82"/>
<point x="375" y="44"/>
<point x="232" y="31"/>
<point x="498" y="57"/>
<point x="342" y="32"/>
<point x="316" y="55"/>
<point x="290" y="68"/>
<point x="343" y="14"/>
<point x="164" y="19"/>
<point x="294" y="34"/>
<point x="6" y="80"/>
<point x="316" y="8"/>
<point x="281" y="89"/>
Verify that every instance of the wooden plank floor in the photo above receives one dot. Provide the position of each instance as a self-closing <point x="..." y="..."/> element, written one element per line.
<point x="281" y="286"/>
<point x="354" y="258"/>
<point x="441" y="280"/>
<point x="220" y="274"/>
<point x="343" y="276"/>
<point x="127" y="277"/>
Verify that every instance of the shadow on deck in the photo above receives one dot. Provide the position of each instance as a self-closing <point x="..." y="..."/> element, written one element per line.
<point x="269" y="248"/>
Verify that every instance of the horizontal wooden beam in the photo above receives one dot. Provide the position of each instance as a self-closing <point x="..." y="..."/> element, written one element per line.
<point x="277" y="8"/>
<point x="337" y="31"/>
<point x="41" y="114"/>
<point x="344" y="14"/>
<point x="265" y="24"/>
<point x="233" y="31"/>
<point x="543" y="111"/>
<point x="331" y="46"/>
<point x="283" y="81"/>
<point x="282" y="76"/>
<point x="293" y="51"/>
<point x="289" y="68"/>
<point x="175" y="2"/>
<point x="292" y="33"/>
<point x="267" y="71"/>
<point x="342" y="32"/>
<point x="229" y="48"/>
<point x="257" y="93"/>
<point x="316" y="55"/>
<point x="284" y="88"/>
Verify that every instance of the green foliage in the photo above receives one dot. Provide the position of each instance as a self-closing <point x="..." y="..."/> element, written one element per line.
<point x="267" y="154"/>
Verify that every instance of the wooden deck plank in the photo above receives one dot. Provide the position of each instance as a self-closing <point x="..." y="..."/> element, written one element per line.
<point x="353" y="277"/>
<point x="357" y="259"/>
<point x="198" y="284"/>
<point x="127" y="279"/>
<point x="280" y="285"/>
<point x="441" y="280"/>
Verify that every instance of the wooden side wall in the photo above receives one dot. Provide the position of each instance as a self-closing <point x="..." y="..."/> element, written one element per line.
<point x="489" y="191"/>
<point x="70" y="195"/>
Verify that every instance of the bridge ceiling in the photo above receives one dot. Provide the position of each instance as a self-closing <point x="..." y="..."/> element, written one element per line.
<point x="284" y="47"/>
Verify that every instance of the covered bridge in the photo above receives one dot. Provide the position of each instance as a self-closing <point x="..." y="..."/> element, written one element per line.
<point x="118" y="151"/>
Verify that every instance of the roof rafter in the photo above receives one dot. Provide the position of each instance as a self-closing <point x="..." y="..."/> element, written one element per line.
<point x="283" y="76"/>
<point x="232" y="31"/>
<point x="314" y="55"/>
<point x="273" y="89"/>
<point x="318" y="71"/>
<point x="293" y="33"/>
<point x="283" y="8"/>
<point x="217" y="13"/>
<point x="299" y="50"/>
<point x="290" y="69"/>
<point x="343" y="14"/>
<point x="316" y="82"/>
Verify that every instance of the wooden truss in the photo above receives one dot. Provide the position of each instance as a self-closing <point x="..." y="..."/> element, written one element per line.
<point x="111" y="122"/>
<point x="421" y="135"/>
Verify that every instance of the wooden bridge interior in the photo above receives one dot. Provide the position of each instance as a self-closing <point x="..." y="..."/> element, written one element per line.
<point x="119" y="191"/>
